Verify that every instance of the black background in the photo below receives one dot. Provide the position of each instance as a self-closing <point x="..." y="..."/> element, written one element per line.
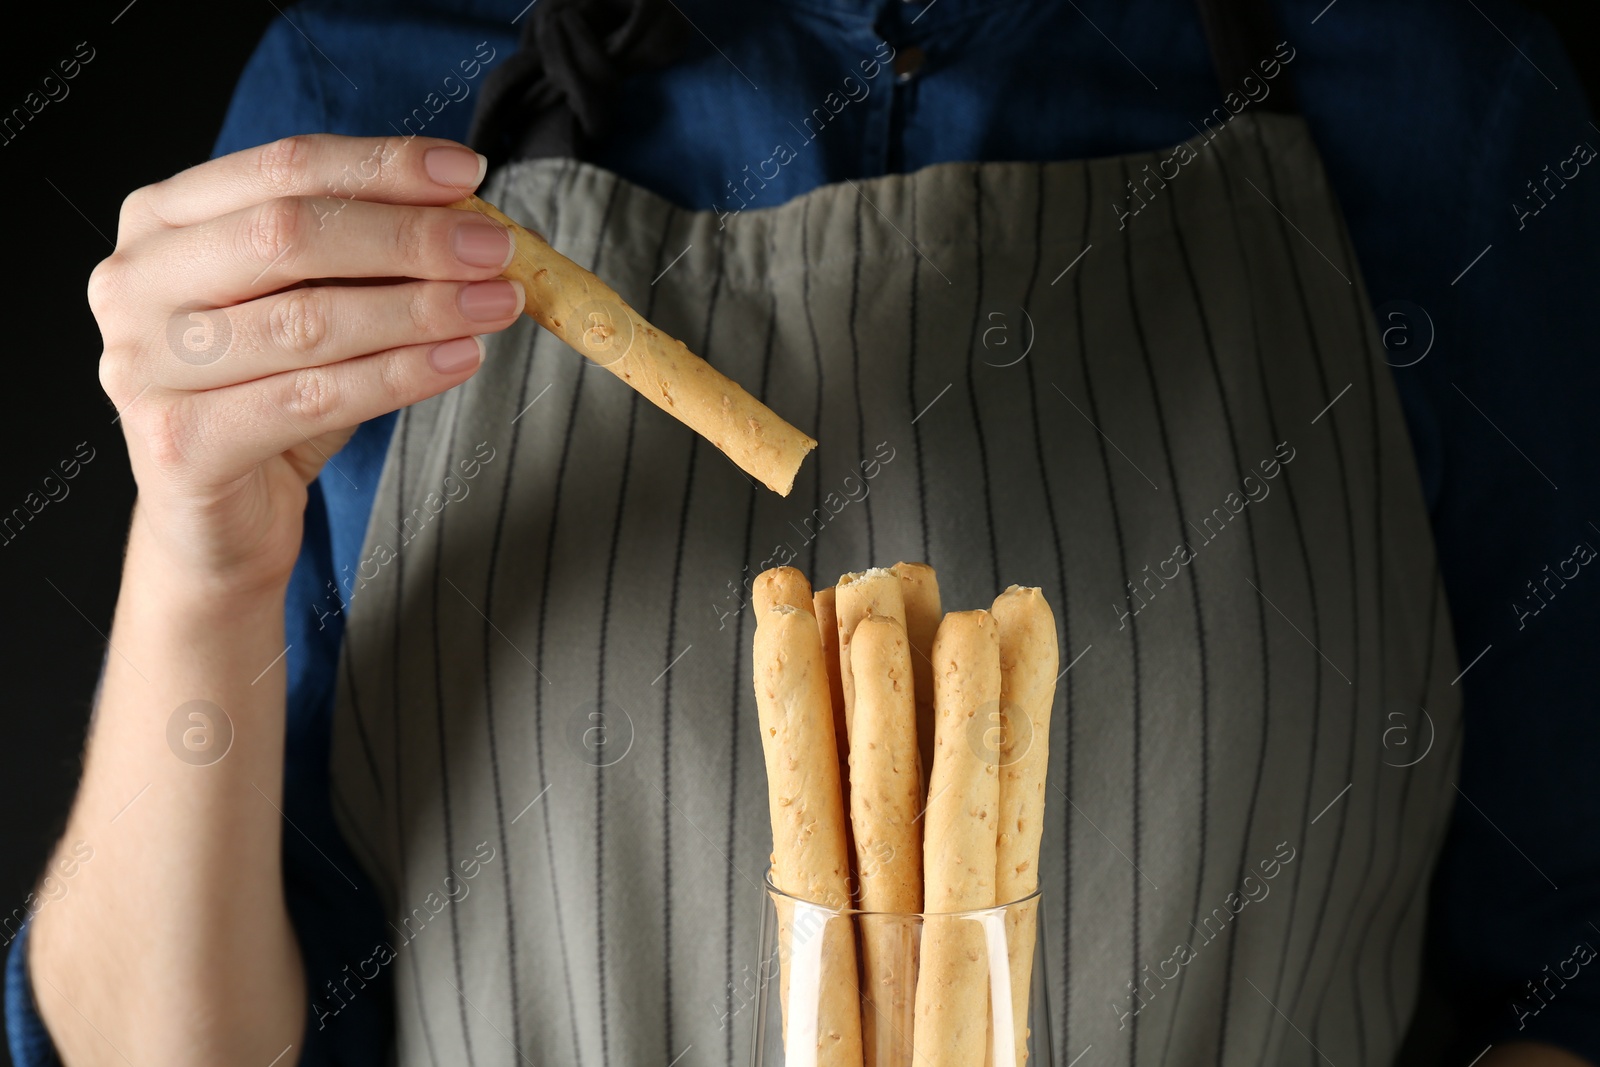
<point x="149" y="104"/>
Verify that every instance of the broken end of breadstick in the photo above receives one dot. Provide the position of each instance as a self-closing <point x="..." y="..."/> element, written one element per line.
<point x="870" y="572"/>
<point x="787" y="459"/>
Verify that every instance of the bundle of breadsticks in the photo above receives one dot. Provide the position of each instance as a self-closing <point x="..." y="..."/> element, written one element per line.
<point x="587" y="314"/>
<point x="906" y="752"/>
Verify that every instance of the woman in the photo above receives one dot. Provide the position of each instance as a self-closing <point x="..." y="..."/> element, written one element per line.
<point x="1199" y="457"/>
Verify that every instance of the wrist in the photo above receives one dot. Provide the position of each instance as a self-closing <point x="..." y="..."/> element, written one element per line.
<point x="203" y="586"/>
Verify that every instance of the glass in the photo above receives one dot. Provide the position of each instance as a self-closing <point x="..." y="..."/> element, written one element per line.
<point x="838" y="987"/>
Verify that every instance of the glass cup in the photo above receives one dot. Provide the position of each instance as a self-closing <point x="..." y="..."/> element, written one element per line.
<point x="838" y="987"/>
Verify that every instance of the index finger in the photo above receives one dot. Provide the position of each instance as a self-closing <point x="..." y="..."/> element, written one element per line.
<point x="390" y="170"/>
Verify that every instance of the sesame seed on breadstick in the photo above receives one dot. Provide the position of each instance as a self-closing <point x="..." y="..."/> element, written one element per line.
<point x="587" y="314"/>
<point x="885" y="802"/>
<point x="809" y="856"/>
<point x="952" y="999"/>
<point x="1028" y="661"/>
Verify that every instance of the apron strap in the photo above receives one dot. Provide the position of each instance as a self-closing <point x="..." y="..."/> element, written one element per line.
<point x="553" y="97"/>
<point x="1241" y="33"/>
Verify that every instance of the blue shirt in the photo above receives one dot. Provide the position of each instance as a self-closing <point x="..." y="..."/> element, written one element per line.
<point x="1436" y="121"/>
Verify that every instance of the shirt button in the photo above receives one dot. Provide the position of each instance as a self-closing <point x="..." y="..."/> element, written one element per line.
<point x="907" y="62"/>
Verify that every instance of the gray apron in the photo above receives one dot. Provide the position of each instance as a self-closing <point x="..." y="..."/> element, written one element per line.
<point x="1164" y="403"/>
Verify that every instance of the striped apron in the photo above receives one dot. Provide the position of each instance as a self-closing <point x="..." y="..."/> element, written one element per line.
<point x="1163" y="401"/>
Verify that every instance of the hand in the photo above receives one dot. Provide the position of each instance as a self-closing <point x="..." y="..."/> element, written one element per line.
<point x="260" y="306"/>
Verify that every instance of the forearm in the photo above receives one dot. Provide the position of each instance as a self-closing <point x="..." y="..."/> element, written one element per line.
<point x="173" y="945"/>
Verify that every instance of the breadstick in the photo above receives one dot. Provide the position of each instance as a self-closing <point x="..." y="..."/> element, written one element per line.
<point x="780" y="585"/>
<point x="919" y="587"/>
<point x="828" y="625"/>
<point x="952" y="998"/>
<point x="786" y="585"/>
<point x="809" y="859"/>
<point x="871" y="592"/>
<point x="1027" y="692"/>
<point x="885" y="801"/>
<point x="588" y="314"/>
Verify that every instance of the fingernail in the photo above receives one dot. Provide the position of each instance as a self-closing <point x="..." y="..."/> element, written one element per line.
<point x="459" y="168"/>
<point x="491" y="300"/>
<point x="453" y="357"/>
<point x="483" y="244"/>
